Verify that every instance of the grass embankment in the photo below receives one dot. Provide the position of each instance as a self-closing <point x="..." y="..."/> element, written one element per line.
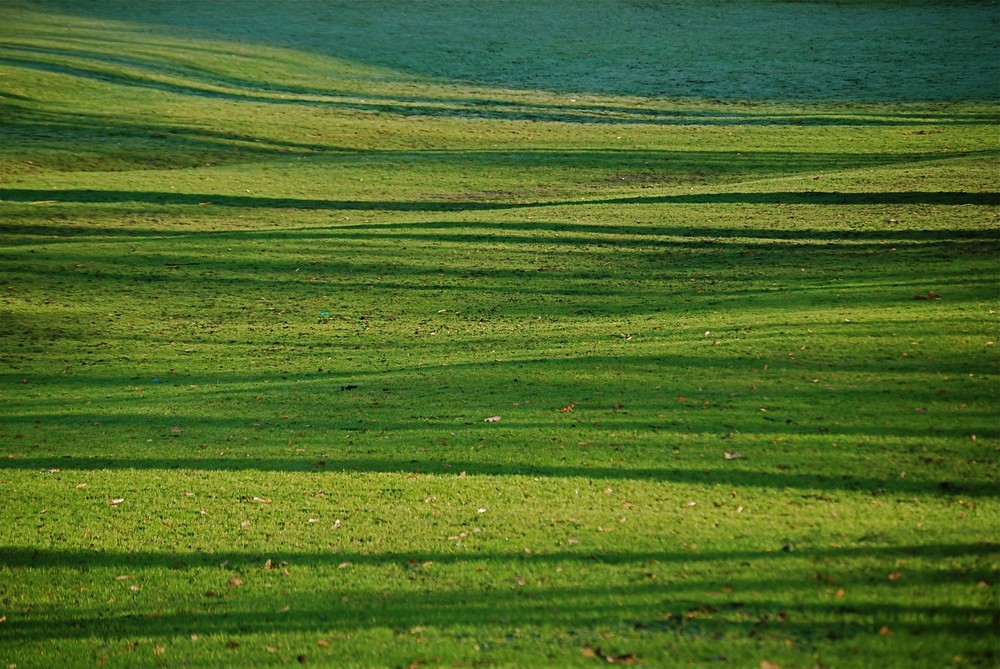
<point x="258" y="303"/>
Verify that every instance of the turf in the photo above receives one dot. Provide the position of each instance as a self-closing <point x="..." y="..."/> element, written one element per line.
<point x="454" y="334"/>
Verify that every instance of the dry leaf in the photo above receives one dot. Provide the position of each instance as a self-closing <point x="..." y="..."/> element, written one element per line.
<point x="567" y="409"/>
<point x="764" y="664"/>
<point x="492" y="419"/>
<point x="116" y="501"/>
<point x="323" y="643"/>
<point x="344" y="565"/>
<point x="731" y="456"/>
<point x="626" y="659"/>
<point x="235" y="582"/>
<point x="885" y="631"/>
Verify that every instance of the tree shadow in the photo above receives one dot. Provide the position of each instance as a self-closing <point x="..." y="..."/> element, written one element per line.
<point x="742" y="601"/>
<point x="461" y="204"/>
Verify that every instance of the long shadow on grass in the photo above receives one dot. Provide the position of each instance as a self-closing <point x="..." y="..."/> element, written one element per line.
<point x="36" y="558"/>
<point x="415" y="590"/>
<point x="205" y="199"/>
<point x="735" y="477"/>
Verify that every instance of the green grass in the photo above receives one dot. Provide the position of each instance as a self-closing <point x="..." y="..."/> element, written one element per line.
<point x="264" y="276"/>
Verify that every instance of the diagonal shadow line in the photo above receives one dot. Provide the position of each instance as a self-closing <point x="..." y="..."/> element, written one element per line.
<point x="657" y="607"/>
<point x="732" y="477"/>
<point x="81" y="196"/>
<point x="35" y="558"/>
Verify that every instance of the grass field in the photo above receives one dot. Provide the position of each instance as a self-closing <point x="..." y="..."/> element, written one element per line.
<point x="507" y="334"/>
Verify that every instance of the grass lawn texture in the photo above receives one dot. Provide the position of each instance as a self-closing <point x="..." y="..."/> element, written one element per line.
<point x="499" y="334"/>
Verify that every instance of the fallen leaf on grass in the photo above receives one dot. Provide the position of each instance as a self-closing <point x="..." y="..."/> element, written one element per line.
<point x="492" y="419"/>
<point x="568" y="408"/>
<point x="159" y="650"/>
<point x="323" y="643"/>
<point x="731" y="456"/>
<point x="116" y="501"/>
<point x="764" y="664"/>
<point x="626" y="659"/>
<point x="235" y="582"/>
<point x="929" y="295"/>
<point x="344" y="565"/>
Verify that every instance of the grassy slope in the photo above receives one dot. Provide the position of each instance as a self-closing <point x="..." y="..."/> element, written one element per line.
<point x="266" y="293"/>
